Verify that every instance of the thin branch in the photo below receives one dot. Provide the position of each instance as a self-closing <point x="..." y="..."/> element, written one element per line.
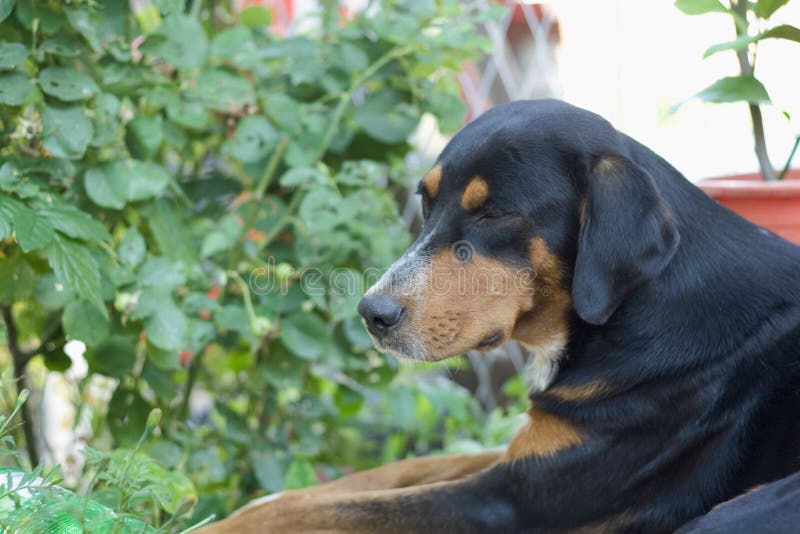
<point x="747" y="68"/>
<point x="19" y="359"/>
<point x="786" y="167"/>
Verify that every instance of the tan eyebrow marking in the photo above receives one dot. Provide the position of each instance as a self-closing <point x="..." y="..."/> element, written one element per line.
<point x="475" y="194"/>
<point x="432" y="180"/>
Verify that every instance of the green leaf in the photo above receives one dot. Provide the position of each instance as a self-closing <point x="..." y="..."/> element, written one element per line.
<point x="384" y="117"/>
<point x="161" y="273"/>
<point x="144" y="135"/>
<point x="784" y="31"/>
<point x="107" y="185"/>
<point x="49" y="20"/>
<point x="62" y="46"/>
<point x="104" y="28"/>
<point x="57" y="361"/>
<point x="113" y="184"/>
<point x="282" y="369"/>
<point x="765" y="8"/>
<point x="172" y="490"/>
<point x="83" y="321"/>
<point x="284" y="111"/>
<point x="236" y="45"/>
<point x="75" y="223"/>
<point x="127" y="416"/>
<point x="50" y="293"/>
<point x="215" y="242"/>
<point x="66" y="131"/>
<point x="9" y="208"/>
<point x="158" y="380"/>
<point x="267" y="468"/>
<point x="302" y="176"/>
<point x="106" y="120"/>
<point x="187" y="113"/>
<point x="305" y="334"/>
<point x="10" y="176"/>
<point x="353" y="59"/>
<point x="114" y="357"/>
<point x="67" y="84"/>
<point x="449" y="108"/>
<point x="300" y="475"/>
<point x="348" y="401"/>
<point x="32" y="231"/>
<point x="171" y="235"/>
<point x="253" y="16"/>
<point x="132" y="248"/>
<point x="167" y="328"/>
<point x="186" y="43"/>
<point x="232" y="317"/>
<point x="14" y="88"/>
<point x="163" y="359"/>
<point x="6" y="6"/>
<point x="735" y="89"/>
<point x="12" y="55"/>
<point x="76" y="269"/>
<point x="16" y="280"/>
<point x="222" y="91"/>
<point x="699" y="7"/>
<point x="253" y="140"/>
<point x="150" y="299"/>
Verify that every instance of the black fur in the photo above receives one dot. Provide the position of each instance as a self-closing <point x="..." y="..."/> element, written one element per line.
<point x="688" y="312"/>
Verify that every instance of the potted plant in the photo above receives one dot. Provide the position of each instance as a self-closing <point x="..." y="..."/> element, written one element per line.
<point x="770" y="198"/>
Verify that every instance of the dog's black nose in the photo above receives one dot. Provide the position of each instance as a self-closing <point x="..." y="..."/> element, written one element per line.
<point x="381" y="312"/>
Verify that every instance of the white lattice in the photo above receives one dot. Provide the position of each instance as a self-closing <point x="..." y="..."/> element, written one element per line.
<point x="522" y="63"/>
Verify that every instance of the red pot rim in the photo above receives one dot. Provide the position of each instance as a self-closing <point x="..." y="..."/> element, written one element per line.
<point x="752" y="186"/>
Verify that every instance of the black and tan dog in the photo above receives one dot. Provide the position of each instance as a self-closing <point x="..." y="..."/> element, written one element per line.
<point x="664" y="329"/>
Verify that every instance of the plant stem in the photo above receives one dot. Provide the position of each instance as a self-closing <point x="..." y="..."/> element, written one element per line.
<point x="785" y="170"/>
<point x="345" y="99"/>
<point x="19" y="360"/>
<point x="338" y="113"/>
<point x="269" y="170"/>
<point x="747" y="68"/>
<point x="194" y="365"/>
<point x="248" y="302"/>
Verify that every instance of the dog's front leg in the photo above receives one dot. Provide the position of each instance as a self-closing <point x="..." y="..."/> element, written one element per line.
<point x="411" y="472"/>
<point x="472" y="504"/>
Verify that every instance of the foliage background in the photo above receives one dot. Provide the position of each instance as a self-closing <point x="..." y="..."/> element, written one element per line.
<point x="153" y="159"/>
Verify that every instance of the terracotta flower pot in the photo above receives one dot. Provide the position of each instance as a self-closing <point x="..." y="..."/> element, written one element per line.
<point x="773" y="205"/>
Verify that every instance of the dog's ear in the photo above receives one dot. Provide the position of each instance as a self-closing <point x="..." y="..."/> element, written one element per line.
<point x="627" y="237"/>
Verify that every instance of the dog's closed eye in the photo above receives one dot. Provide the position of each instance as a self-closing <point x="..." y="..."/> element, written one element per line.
<point x="494" y="215"/>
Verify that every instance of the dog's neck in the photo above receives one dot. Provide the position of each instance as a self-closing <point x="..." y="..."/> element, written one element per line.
<point x="542" y="366"/>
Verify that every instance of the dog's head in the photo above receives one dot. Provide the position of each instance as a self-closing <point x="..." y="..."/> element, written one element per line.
<point x="534" y="214"/>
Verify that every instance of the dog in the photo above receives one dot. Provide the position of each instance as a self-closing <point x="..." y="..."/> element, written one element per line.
<point x="664" y="333"/>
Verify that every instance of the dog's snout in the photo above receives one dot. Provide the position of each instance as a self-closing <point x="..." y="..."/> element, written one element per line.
<point x="381" y="313"/>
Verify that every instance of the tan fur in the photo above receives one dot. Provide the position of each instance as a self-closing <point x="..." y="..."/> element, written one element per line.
<point x="546" y="321"/>
<point x="318" y="508"/>
<point x="411" y="472"/>
<point x="475" y="194"/>
<point x="432" y="180"/>
<point x="608" y="166"/>
<point x="543" y="435"/>
<point x="580" y="393"/>
<point x="582" y="213"/>
<point x="463" y="302"/>
<point x="615" y="523"/>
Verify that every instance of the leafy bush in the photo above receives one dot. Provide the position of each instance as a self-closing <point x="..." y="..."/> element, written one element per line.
<point x="186" y="193"/>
